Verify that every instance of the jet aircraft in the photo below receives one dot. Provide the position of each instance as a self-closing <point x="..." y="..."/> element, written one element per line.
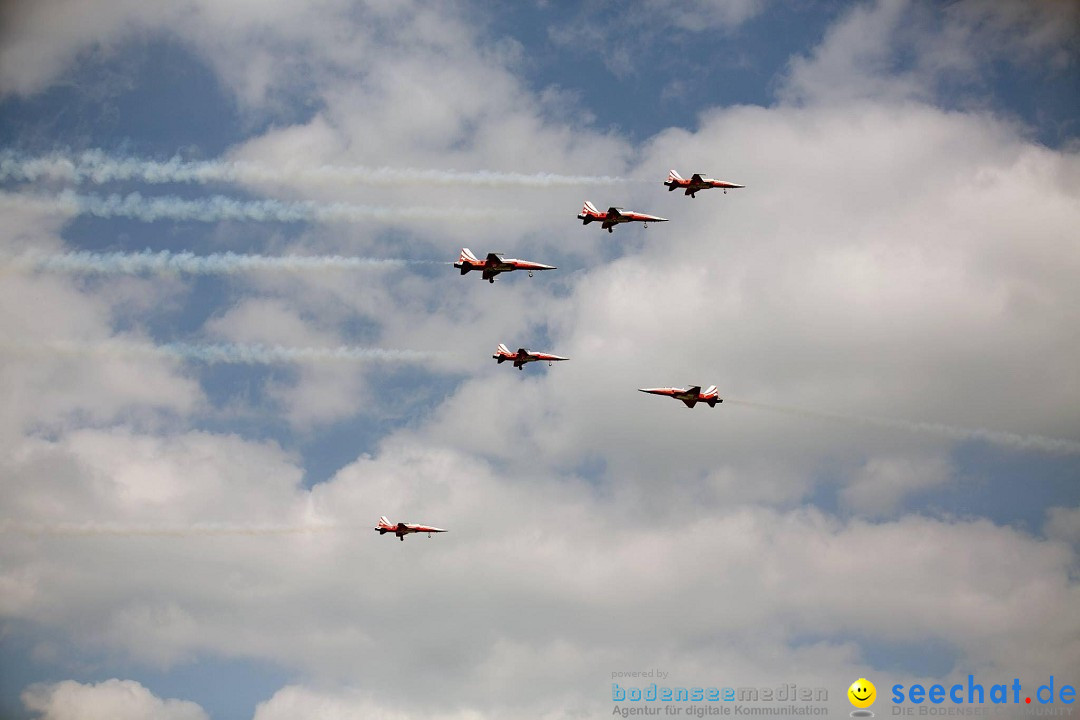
<point x="690" y="396"/>
<point x="522" y="356"/>
<point x="495" y="263"/>
<point x="402" y="529"/>
<point x="696" y="183"/>
<point x="614" y="216"/>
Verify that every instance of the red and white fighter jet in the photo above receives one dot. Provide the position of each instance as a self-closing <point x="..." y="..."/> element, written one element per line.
<point x="495" y="263"/>
<point x="614" y="216"/>
<point x="696" y="183"/>
<point x="402" y="529"/>
<point x="522" y="356"/>
<point x="691" y="395"/>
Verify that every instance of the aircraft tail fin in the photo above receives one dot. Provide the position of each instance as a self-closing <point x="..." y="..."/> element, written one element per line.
<point x="588" y="208"/>
<point x="466" y="260"/>
<point x="673" y="176"/>
<point x="384" y="521"/>
<point x="503" y="349"/>
<point x="710" y="390"/>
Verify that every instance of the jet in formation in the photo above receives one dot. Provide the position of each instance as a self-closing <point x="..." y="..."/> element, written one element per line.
<point x="691" y="396"/>
<point x="495" y="263"/>
<point x="608" y="220"/>
<point x="696" y="183"/>
<point x="522" y="356"/>
<point x="402" y="529"/>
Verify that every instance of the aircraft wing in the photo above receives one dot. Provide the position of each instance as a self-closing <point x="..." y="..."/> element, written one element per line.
<point x="613" y="212"/>
<point x="696" y="178"/>
<point x="494" y="258"/>
<point x="689" y="402"/>
<point x="695" y="390"/>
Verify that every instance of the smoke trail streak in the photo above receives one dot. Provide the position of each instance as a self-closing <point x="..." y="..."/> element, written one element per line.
<point x="96" y="167"/>
<point x="185" y="262"/>
<point x="196" y="530"/>
<point x="262" y="354"/>
<point x="218" y="208"/>
<point x="230" y="354"/>
<point x="996" y="437"/>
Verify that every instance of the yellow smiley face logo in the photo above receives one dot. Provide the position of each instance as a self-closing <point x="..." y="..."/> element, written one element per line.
<point x="862" y="693"/>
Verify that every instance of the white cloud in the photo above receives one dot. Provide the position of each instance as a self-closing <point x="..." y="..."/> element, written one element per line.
<point x="1031" y="32"/>
<point x="1063" y="523"/>
<point x="885" y="260"/>
<point x="42" y="40"/>
<point x="705" y="15"/>
<point x="622" y="33"/>
<point x="539" y="590"/>
<point x="114" y="699"/>
<point x="46" y="388"/>
<point x="297" y="701"/>
<point x="854" y="58"/>
<point x="316" y="394"/>
<point x="881" y="483"/>
<point x="905" y="50"/>
<point x="49" y="390"/>
<point x="94" y="484"/>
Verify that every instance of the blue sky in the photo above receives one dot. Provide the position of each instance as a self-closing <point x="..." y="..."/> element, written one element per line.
<point x="192" y="539"/>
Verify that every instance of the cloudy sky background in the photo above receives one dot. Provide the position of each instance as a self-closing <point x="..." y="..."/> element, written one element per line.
<point x="893" y="299"/>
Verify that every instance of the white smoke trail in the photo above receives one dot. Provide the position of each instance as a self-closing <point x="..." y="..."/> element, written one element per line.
<point x="274" y="354"/>
<point x="196" y="530"/>
<point x="97" y="167"/>
<point x="996" y="437"/>
<point x="226" y="353"/>
<point x="218" y="208"/>
<point x="189" y="263"/>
